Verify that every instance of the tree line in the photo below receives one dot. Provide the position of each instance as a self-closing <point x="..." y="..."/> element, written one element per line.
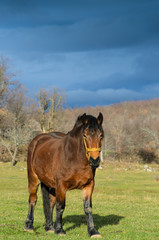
<point x="21" y="118"/>
<point x="131" y="128"/>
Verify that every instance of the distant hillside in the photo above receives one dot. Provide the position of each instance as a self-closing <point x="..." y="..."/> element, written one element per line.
<point x="130" y="127"/>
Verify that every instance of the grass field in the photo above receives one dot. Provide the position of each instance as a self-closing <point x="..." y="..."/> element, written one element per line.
<point x="125" y="205"/>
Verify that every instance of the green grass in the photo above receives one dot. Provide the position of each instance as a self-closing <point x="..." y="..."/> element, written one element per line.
<point x="125" y="205"/>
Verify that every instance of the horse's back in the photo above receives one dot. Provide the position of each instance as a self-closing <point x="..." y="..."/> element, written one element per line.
<point x="57" y="134"/>
<point x="42" y="138"/>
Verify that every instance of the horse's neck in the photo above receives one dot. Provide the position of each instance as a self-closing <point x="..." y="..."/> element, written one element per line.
<point x="80" y="154"/>
<point x="77" y="138"/>
<point x="81" y="145"/>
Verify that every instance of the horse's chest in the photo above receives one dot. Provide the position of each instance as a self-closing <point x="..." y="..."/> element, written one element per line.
<point x="79" y="180"/>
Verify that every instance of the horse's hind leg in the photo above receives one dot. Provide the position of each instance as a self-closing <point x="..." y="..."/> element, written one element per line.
<point x="33" y="187"/>
<point x="48" y="204"/>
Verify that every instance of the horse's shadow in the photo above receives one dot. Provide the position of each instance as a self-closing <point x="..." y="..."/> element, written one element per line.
<point x="100" y="221"/>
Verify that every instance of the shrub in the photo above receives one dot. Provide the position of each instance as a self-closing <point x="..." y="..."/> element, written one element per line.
<point x="148" y="155"/>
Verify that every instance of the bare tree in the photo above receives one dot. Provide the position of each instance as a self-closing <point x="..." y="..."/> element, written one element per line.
<point x="15" y="130"/>
<point x="15" y="137"/>
<point x="44" y="104"/>
<point x="49" y="103"/>
<point x="57" y="99"/>
<point x="6" y="80"/>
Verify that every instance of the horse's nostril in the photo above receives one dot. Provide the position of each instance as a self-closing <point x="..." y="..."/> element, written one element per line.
<point x="94" y="162"/>
<point x="96" y="159"/>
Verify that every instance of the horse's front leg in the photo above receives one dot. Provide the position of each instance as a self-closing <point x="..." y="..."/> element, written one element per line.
<point x="87" y="199"/>
<point x="60" y="206"/>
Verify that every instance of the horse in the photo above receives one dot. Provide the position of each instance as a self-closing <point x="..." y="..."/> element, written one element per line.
<point x="62" y="162"/>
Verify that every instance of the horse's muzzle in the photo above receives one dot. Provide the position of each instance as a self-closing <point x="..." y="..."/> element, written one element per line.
<point x="94" y="163"/>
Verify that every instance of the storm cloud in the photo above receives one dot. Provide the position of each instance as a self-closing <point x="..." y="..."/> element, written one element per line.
<point x="101" y="52"/>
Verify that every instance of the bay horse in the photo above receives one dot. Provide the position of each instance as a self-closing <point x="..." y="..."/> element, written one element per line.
<point x="62" y="162"/>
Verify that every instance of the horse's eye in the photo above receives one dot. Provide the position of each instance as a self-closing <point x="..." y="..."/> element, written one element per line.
<point x="84" y="136"/>
<point x="101" y="136"/>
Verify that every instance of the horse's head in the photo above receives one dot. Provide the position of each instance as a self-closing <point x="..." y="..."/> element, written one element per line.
<point x="92" y="137"/>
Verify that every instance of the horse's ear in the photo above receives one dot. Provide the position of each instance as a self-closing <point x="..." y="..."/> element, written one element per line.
<point x="81" y="120"/>
<point x="84" y="119"/>
<point x="100" y="118"/>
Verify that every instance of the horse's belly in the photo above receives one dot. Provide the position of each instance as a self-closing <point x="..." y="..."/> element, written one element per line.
<point x="45" y="178"/>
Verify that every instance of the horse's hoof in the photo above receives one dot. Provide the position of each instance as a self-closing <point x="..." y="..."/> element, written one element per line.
<point x="93" y="233"/>
<point x="28" y="227"/>
<point x="61" y="232"/>
<point x="49" y="228"/>
<point x="96" y="236"/>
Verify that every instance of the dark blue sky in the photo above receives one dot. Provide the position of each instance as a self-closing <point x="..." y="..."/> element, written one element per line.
<point x="99" y="51"/>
